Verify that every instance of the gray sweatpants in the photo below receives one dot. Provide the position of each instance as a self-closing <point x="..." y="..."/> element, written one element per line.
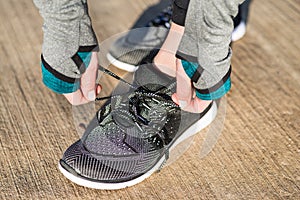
<point x="208" y="29"/>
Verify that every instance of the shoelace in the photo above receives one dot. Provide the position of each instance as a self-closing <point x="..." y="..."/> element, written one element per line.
<point x="110" y="73"/>
<point x="132" y="112"/>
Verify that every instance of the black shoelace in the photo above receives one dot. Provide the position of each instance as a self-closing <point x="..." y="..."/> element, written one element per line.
<point x="110" y="73"/>
<point x="137" y="103"/>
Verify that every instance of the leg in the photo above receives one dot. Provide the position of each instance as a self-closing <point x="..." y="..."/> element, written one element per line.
<point x="205" y="43"/>
<point x="69" y="41"/>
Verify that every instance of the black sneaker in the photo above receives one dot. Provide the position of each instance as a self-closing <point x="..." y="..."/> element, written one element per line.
<point x="131" y="50"/>
<point x="131" y="136"/>
<point x="136" y="47"/>
<point x="240" y="21"/>
<point x="163" y="19"/>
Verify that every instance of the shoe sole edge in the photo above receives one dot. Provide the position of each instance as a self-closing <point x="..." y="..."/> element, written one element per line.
<point x="121" y="65"/>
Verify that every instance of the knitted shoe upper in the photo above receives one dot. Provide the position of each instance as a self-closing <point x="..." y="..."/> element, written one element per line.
<point x="131" y="133"/>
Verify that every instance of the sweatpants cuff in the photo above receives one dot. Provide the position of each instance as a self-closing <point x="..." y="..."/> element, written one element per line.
<point x="57" y="81"/>
<point x="194" y="72"/>
<point x="220" y="92"/>
<point x="60" y="83"/>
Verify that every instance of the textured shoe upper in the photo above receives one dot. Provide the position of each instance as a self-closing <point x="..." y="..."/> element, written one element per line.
<point x="138" y="44"/>
<point x="128" y="136"/>
<point x="135" y="123"/>
<point x="131" y="133"/>
<point x="142" y="43"/>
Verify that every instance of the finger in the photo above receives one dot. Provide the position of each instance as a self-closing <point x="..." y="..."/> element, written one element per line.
<point x="76" y="98"/>
<point x="98" y="89"/>
<point x="175" y="99"/>
<point x="88" y="79"/>
<point x="184" y="86"/>
<point x="197" y="105"/>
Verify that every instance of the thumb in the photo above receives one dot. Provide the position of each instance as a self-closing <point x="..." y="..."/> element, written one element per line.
<point x="88" y="79"/>
<point x="184" y="90"/>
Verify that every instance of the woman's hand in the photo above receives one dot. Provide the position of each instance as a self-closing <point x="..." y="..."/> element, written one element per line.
<point x="88" y="89"/>
<point x="185" y="95"/>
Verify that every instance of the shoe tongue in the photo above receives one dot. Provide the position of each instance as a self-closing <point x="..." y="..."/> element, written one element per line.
<point x="149" y="37"/>
<point x="121" y="133"/>
<point x="142" y="119"/>
<point x="149" y="77"/>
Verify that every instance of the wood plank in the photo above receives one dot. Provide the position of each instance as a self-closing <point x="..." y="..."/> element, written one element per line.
<point x="257" y="154"/>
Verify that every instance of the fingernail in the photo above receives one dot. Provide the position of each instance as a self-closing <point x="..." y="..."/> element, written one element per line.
<point x="98" y="89"/>
<point x="182" y="104"/>
<point x="91" y="95"/>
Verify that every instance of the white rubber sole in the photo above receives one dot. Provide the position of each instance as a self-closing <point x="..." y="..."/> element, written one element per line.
<point x="238" y="32"/>
<point x="121" y="65"/>
<point x="194" y="129"/>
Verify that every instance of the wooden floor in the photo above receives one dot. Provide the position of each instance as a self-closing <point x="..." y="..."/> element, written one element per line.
<point x="257" y="155"/>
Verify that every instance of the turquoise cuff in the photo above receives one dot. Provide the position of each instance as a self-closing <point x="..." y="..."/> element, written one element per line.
<point x="57" y="85"/>
<point x="54" y="80"/>
<point x="216" y="94"/>
<point x="85" y="57"/>
<point x="189" y="67"/>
